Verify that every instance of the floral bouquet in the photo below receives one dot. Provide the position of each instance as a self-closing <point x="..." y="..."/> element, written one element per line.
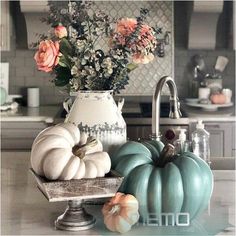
<point x="72" y="54"/>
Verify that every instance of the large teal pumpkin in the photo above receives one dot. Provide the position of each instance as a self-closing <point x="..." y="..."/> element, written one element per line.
<point x="183" y="184"/>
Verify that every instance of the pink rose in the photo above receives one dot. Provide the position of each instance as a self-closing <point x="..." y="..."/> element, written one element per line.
<point x="47" y="55"/>
<point x="60" y="31"/>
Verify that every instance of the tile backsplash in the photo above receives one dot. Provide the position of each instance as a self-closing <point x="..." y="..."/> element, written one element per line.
<point x="23" y="73"/>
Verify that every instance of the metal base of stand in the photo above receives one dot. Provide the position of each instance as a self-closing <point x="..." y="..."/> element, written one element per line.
<point x="75" y="218"/>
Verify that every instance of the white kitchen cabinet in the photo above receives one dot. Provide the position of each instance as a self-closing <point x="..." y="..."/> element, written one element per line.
<point x="6" y="27"/>
<point x="221" y="139"/>
<point x="19" y="128"/>
<point x="20" y="135"/>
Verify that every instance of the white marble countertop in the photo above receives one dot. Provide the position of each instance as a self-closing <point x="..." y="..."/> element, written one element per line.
<point x="25" y="211"/>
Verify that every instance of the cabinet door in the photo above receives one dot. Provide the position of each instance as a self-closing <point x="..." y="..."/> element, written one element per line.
<point x="216" y="142"/>
<point x="132" y="133"/>
<point x="138" y="132"/>
<point x="19" y="135"/>
<point x="221" y="143"/>
<point x="233" y="141"/>
<point x="5" y="26"/>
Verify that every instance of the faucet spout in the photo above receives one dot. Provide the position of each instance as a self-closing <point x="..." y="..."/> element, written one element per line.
<point x="174" y="104"/>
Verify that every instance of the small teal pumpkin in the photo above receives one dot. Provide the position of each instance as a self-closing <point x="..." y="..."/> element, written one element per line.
<point x="183" y="184"/>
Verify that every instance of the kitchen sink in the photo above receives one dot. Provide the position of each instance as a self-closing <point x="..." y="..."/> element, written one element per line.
<point x="145" y="111"/>
<point x="137" y="110"/>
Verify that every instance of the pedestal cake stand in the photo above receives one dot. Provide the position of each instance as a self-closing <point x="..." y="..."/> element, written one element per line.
<point x="75" y="217"/>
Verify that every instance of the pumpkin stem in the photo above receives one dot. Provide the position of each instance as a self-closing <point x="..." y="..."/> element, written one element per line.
<point x="80" y="151"/>
<point x="167" y="155"/>
<point x="115" y="209"/>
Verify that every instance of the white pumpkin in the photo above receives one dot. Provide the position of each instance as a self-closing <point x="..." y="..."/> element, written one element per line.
<point x="61" y="152"/>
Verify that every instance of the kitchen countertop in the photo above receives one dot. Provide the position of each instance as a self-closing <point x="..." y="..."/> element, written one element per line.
<point x="51" y="114"/>
<point x="181" y="121"/>
<point x="26" y="211"/>
<point x="38" y="114"/>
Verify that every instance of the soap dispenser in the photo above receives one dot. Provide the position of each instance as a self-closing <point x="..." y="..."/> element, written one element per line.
<point x="200" y="142"/>
<point x="181" y="144"/>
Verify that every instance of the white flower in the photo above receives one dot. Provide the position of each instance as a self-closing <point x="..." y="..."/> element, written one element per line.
<point x="106" y="62"/>
<point x="74" y="84"/>
<point x="64" y="11"/>
<point x="80" y="44"/>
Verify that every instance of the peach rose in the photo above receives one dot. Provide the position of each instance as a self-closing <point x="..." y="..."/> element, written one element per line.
<point x="142" y="59"/>
<point x="126" y="26"/>
<point x="147" y="30"/>
<point x="47" y="55"/>
<point x="60" y="31"/>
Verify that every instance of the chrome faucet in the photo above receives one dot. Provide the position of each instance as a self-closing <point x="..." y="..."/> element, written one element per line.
<point x="174" y="104"/>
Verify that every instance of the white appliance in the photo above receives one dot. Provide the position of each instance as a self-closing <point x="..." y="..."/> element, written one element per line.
<point x="4" y="83"/>
<point x="4" y="78"/>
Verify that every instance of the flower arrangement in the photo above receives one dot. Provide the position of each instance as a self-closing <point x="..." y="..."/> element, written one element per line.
<point x="72" y="54"/>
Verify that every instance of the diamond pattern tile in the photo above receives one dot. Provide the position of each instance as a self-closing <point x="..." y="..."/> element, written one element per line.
<point x="143" y="79"/>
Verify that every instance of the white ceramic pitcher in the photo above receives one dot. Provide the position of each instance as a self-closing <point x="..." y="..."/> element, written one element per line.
<point x="96" y="114"/>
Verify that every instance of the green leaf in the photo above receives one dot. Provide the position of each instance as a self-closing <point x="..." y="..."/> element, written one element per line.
<point x="60" y="82"/>
<point x="63" y="76"/>
<point x="131" y="66"/>
<point x="65" y="47"/>
<point x="61" y="63"/>
<point x="64" y="62"/>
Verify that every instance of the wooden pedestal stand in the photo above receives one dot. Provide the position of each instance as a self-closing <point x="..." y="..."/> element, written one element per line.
<point x="75" y="217"/>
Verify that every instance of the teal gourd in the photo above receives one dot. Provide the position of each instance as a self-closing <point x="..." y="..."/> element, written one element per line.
<point x="184" y="184"/>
